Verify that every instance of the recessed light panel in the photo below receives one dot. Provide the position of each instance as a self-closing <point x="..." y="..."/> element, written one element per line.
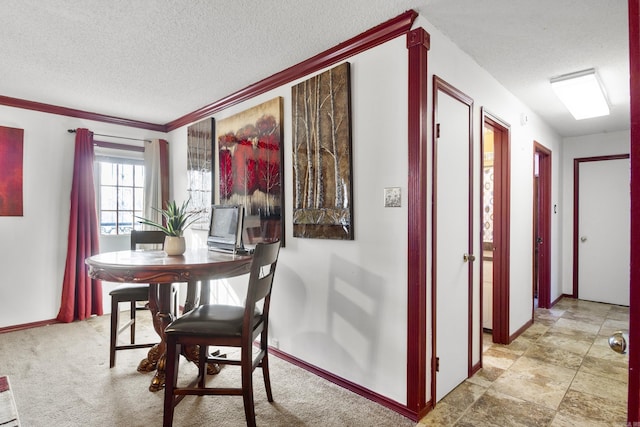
<point x="582" y="94"/>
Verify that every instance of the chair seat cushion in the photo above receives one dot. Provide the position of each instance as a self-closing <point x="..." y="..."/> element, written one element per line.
<point x="138" y="292"/>
<point x="211" y="319"/>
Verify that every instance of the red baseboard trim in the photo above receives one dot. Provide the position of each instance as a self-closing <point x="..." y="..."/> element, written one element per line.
<point x="357" y="389"/>
<point x="517" y="333"/>
<point x="524" y="327"/>
<point x="24" y="326"/>
<point x="557" y="300"/>
<point x="475" y="368"/>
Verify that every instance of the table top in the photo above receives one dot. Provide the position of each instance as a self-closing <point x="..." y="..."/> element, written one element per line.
<point x="158" y="267"/>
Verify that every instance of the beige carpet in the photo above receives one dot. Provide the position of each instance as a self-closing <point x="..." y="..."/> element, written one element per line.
<point x="60" y="377"/>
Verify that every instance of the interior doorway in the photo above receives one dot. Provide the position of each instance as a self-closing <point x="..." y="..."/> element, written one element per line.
<point x="495" y="184"/>
<point x="541" y="227"/>
<point x="601" y="243"/>
<point x="452" y="256"/>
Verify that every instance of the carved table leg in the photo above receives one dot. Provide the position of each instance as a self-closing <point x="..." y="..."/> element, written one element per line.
<point x="160" y="307"/>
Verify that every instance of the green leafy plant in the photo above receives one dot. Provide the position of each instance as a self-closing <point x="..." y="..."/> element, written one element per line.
<point x="177" y="218"/>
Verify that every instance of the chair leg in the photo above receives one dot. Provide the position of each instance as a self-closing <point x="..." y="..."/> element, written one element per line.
<point x="247" y="388"/>
<point x="202" y="365"/>
<point x="133" y="323"/>
<point x="113" y="336"/>
<point x="171" y="380"/>
<point x="265" y="374"/>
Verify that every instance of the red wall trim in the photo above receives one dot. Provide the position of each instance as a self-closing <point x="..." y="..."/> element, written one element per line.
<point x="362" y="42"/>
<point x="25" y="326"/>
<point x="116" y="146"/>
<point x="544" y="221"/>
<point x="576" y="205"/>
<point x="523" y="328"/>
<point x="633" y="410"/>
<point x="557" y="300"/>
<point x="371" y="395"/>
<point x="502" y="207"/>
<point x="418" y="46"/>
<point x="70" y="112"/>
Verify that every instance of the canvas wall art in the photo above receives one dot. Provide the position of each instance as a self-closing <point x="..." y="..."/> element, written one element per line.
<point x="11" y="150"/>
<point x="199" y="170"/>
<point x="322" y="187"/>
<point x="249" y="153"/>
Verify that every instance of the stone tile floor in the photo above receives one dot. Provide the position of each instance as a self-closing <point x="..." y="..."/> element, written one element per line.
<point x="559" y="372"/>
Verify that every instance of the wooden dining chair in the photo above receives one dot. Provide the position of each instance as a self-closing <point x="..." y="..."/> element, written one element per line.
<point x="226" y="326"/>
<point x="132" y="294"/>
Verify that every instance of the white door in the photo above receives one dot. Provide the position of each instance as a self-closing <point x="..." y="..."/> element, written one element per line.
<point x="603" y="231"/>
<point x="452" y="243"/>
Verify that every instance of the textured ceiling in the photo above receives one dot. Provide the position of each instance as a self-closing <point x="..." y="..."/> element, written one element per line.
<point x="157" y="60"/>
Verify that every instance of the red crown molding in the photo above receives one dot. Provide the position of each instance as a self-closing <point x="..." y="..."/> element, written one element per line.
<point x="70" y="112"/>
<point x="360" y="43"/>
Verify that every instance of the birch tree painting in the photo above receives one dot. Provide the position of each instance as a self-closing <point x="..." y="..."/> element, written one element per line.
<point x="321" y="127"/>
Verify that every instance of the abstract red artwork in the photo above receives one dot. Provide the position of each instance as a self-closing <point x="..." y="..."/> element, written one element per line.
<point x="11" y="141"/>
<point x="249" y="149"/>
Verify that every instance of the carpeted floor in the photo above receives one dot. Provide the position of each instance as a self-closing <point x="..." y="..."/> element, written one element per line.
<point x="60" y="377"/>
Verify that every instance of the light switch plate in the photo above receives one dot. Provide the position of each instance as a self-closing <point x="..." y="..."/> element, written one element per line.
<point x="392" y="197"/>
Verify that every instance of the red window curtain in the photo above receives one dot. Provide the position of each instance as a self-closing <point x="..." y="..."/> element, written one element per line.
<point x="81" y="295"/>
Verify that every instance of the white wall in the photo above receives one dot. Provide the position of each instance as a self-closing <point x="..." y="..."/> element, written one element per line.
<point x="33" y="247"/>
<point x="602" y="144"/>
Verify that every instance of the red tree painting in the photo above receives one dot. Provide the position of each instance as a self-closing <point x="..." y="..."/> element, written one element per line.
<point x="249" y="149"/>
<point x="11" y="148"/>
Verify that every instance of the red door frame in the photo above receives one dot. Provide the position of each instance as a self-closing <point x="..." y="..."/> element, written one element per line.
<point x="501" y="225"/>
<point x="543" y="216"/>
<point x="633" y="402"/>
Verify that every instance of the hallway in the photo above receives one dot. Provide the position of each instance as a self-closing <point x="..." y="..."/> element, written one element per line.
<point x="559" y="372"/>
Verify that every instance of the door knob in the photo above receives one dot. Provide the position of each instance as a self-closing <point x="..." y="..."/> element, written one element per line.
<point x="469" y="257"/>
<point x="618" y="342"/>
<point x="583" y="239"/>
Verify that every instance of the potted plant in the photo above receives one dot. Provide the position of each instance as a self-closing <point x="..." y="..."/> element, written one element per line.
<point x="176" y="220"/>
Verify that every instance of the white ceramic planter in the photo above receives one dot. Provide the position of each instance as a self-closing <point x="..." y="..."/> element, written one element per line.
<point x="174" y="245"/>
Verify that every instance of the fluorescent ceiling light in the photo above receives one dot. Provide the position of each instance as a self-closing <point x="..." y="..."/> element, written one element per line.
<point x="582" y="94"/>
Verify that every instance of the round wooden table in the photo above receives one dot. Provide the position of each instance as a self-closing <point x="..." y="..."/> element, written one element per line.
<point x="160" y="270"/>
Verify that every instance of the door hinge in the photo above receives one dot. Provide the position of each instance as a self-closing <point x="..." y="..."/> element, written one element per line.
<point x="437" y="130"/>
<point x="437" y="364"/>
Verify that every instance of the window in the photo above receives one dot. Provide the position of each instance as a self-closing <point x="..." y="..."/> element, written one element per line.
<point x="120" y="194"/>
